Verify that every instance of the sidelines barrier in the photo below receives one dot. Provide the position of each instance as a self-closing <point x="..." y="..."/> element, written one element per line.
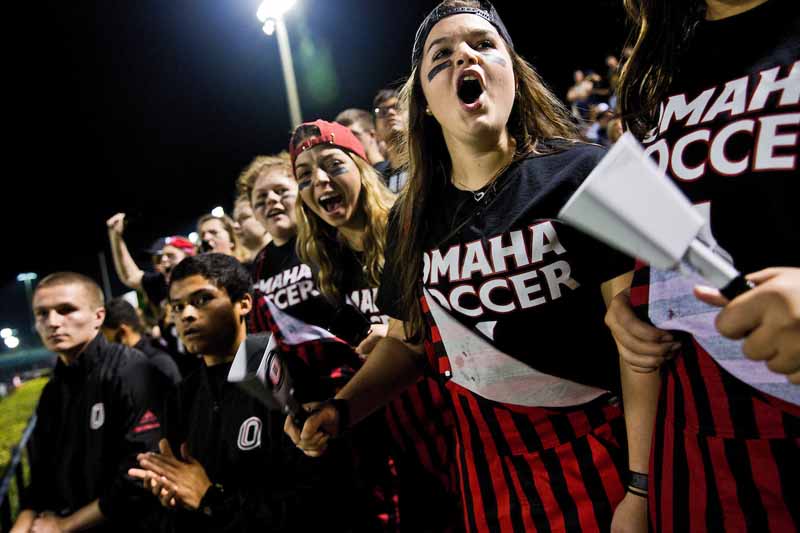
<point x="13" y="474"/>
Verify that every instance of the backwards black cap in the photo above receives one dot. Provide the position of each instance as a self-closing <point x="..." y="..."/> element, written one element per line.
<point x="485" y="11"/>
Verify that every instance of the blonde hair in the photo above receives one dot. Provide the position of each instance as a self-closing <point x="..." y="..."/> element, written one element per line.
<point x="318" y="243"/>
<point x="259" y="166"/>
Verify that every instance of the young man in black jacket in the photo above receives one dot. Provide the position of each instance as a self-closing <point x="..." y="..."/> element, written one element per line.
<point x="123" y="325"/>
<point x="226" y="464"/>
<point x="95" y="415"/>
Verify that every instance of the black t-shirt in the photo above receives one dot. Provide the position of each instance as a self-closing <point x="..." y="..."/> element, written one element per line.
<point x="154" y="285"/>
<point x="159" y="358"/>
<point x="356" y="289"/>
<point x="518" y="276"/>
<point x="280" y="276"/>
<point x="728" y="138"/>
<point x="728" y="132"/>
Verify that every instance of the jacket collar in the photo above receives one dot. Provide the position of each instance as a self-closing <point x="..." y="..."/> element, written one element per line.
<point x="87" y="359"/>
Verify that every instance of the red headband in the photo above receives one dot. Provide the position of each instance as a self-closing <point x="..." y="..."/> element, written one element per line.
<point x="331" y="133"/>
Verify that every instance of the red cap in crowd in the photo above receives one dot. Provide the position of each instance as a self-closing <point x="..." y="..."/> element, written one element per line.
<point x="181" y="243"/>
<point x="331" y="133"/>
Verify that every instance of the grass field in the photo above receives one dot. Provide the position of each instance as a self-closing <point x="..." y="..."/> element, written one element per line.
<point x="14" y="414"/>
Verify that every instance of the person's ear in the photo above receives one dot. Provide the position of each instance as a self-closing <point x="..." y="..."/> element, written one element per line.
<point x="124" y="333"/>
<point x="246" y="304"/>
<point x="99" y="317"/>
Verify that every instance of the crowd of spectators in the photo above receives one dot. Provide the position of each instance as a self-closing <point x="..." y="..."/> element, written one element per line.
<point x="140" y="428"/>
<point x="592" y="100"/>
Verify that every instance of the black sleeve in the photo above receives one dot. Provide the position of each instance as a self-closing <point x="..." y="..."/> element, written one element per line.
<point x="167" y="366"/>
<point x="290" y="495"/>
<point x="388" y="300"/>
<point x="138" y="403"/>
<point x="607" y="262"/>
<point x="154" y="286"/>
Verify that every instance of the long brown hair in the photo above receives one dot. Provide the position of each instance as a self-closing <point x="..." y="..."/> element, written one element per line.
<point x="537" y="115"/>
<point x="661" y="32"/>
<point x="319" y="244"/>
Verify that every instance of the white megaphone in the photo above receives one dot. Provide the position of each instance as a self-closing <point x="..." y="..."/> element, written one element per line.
<point x="629" y="204"/>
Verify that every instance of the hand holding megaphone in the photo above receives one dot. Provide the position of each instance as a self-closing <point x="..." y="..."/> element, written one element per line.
<point x="629" y="204"/>
<point x="767" y="318"/>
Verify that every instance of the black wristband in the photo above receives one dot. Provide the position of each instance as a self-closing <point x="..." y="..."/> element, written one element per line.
<point x="342" y="407"/>
<point x="637" y="481"/>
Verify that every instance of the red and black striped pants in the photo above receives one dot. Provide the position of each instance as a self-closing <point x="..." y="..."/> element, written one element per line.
<point x="725" y="457"/>
<point x="531" y="469"/>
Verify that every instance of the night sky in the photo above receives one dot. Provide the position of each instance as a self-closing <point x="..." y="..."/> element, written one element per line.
<point x="154" y="106"/>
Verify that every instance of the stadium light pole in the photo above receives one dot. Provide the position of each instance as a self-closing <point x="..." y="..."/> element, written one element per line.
<point x="27" y="278"/>
<point x="270" y="13"/>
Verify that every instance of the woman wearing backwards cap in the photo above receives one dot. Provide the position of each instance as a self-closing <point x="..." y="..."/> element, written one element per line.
<point x="492" y="158"/>
<point x="342" y="213"/>
<point x="285" y="279"/>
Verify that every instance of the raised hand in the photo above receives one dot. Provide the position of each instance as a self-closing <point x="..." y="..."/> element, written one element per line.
<point x="116" y="224"/>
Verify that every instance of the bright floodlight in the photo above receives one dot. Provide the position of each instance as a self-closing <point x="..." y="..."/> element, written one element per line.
<point x="272" y="9"/>
<point x="269" y="27"/>
<point x="194" y="237"/>
<point x="5" y="333"/>
<point x="27" y="276"/>
<point x="11" y="342"/>
<point x="218" y="212"/>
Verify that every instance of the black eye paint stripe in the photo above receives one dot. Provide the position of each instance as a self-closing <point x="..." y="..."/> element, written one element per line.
<point x="494" y="57"/>
<point x="438" y="68"/>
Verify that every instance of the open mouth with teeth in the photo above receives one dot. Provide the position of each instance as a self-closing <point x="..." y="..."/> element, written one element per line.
<point x="274" y="213"/>
<point x="469" y="89"/>
<point x="331" y="202"/>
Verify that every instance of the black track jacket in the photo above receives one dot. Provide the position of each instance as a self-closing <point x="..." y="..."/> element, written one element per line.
<point x="92" y="419"/>
<point x="267" y="483"/>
